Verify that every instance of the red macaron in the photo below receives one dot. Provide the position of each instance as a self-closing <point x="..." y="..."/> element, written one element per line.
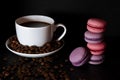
<point x="97" y="48"/>
<point x="96" y="25"/>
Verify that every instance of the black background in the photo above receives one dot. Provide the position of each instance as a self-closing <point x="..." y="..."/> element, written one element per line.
<point x="74" y="15"/>
<point x="106" y="9"/>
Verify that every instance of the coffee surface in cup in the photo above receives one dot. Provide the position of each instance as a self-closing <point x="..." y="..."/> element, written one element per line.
<point x="35" y="24"/>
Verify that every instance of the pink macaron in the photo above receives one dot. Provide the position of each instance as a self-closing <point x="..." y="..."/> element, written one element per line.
<point x="79" y="56"/>
<point x="96" y="48"/>
<point x="93" y="37"/>
<point x="96" y="25"/>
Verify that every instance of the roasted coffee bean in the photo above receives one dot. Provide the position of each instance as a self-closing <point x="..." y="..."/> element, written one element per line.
<point x="12" y="78"/>
<point x="3" y="67"/>
<point x="48" y="71"/>
<point x="47" y="47"/>
<point x="1" y="75"/>
<point x="55" y="67"/>
<point x="66" y="60"/>
<point x="71" y="69"/>
<point x="5" y="58"/>
<point x="61" y="65"/>
<point x="5" y="73"/>
<point x="49" y="68"/>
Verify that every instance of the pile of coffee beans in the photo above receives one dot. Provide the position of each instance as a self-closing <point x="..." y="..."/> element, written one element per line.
<point x="45" y="68"/>
<point x="47" y="47"/>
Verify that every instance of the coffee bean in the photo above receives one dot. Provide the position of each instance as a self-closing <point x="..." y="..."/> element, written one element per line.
<point x="47" y="47"/>
<point x="55" y="67"/>
<point x="5" y="73"/>
<point x="49" y="67"/>
<point x="42" y="63"/>
<point x="1" y="75"/>
<point x="34" y="68"/>
<point x="71" y="69"/>
<point x="3" y="67"/>
<point x="12" y="78"/>
<point x="5" y="58"/>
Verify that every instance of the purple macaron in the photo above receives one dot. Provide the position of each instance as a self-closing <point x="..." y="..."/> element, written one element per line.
<point x="96" y="59"/>
<point x="93" y="37"/>
<point x="79" y="56"/>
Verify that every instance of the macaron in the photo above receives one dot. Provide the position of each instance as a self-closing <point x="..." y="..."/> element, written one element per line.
<point x="96" y="25"/>
<point x="96" y="48"/>
<point x="91" y="37"/>
<point x="79" y="56"/>
<point x="96" y="59"/>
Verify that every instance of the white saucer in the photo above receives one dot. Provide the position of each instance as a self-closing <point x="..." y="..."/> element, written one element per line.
<point x="32" y="55"/>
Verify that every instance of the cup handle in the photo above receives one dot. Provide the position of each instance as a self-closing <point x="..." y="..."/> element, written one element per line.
<point x="64" y="32"/>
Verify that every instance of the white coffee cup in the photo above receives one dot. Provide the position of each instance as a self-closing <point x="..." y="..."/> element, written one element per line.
<point x="36" y="35"/>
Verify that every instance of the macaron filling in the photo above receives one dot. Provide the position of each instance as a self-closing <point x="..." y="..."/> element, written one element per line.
<point x="97" y="50"/>
<point x="95" y="26"/>
<point x="97" y="60"/>
<point x="94" y="39"/>
<point x="96" y="63"/>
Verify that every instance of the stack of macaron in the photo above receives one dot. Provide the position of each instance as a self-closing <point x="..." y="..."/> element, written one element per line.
<point x="93" y="52"/>
<point x="94" y="36"/>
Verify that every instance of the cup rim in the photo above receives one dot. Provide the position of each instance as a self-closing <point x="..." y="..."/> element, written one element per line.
<point x="20" y="20"/>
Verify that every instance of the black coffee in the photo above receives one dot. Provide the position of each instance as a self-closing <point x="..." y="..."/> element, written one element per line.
<point x="35" y="24"/>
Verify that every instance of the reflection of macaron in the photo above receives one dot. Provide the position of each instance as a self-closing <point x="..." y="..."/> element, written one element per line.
<point x="79" y="56"/>
<point x="93" y="37"/>
<point x="96" y="48"/>
<point x="95" y="60"/>
<point x="96" y="25"/>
